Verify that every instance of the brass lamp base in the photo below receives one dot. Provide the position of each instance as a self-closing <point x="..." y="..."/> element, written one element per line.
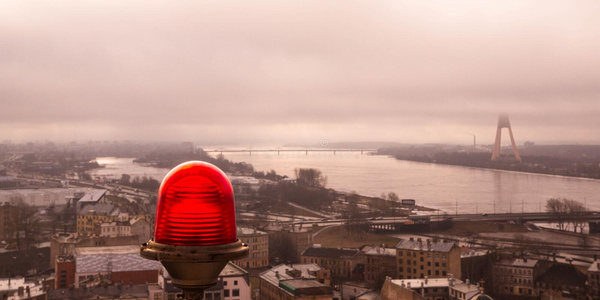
<point x="194" y="268"/>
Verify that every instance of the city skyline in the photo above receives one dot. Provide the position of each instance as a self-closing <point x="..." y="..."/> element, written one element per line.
<point x="299" y="72"/>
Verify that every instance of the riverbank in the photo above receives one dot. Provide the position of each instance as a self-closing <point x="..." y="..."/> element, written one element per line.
<point x="534" y="164"/>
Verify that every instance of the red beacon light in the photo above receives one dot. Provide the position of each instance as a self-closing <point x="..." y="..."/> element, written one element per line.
<point x="195" y="231"/>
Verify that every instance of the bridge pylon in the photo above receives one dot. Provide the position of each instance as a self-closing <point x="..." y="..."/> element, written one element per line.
<point x="503" y="122"/>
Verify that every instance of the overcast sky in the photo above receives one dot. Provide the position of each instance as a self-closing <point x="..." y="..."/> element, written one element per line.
<point x="274" y="72"/>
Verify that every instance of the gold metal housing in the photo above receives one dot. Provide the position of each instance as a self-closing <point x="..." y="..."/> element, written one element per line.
<point x="194" y="268"/>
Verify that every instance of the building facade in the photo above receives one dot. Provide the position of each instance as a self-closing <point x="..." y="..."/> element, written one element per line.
<point x="379" y="264"/>
<point x="344" y="264"/>
<point x="432" y="258"/>
<point x="112" y="229"/>
<point x="516" y="277"/>
<point x="8" y="218"/>
<point x="287" y="245"/>
<point x="258" y="243"/>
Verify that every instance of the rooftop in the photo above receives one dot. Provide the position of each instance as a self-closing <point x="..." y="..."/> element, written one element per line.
<point x="232" y="270"/>
<point x="35" y="289"/>
<point x="100" y="209"/>
<point x="595" y="267"/>
<point x="426" y="245"/>
<point x="331" y="252"/>
<point x="92" y="195"/>
<point x="431" y="282"/>
<point x="466" y="287"/>
<point x="381" y="251"/>
<point x="563" y="274"/>
<point x="369" y="295"/>
<point x="112" y="259"/>
<point x="280" y="272"/>
<point x="249" y="231"/>
<point x="301" y="283"/>
<point x="518" y="262"/>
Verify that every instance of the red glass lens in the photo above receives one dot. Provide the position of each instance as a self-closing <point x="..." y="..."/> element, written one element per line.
<point x="195" y="207"/>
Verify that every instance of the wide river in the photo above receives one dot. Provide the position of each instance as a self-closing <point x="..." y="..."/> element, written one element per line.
<point x="451" y="188"/>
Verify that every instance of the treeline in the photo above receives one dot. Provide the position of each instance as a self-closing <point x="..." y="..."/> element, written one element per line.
<point x="170" y="159"/>
<point x="531" y="163"/>
<point x="144" y="182"/>
<point x="566" y="211"/>
<point x="309" y="190"/>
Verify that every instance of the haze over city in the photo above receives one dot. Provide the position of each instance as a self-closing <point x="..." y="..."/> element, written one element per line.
<point x="275" y="72"/>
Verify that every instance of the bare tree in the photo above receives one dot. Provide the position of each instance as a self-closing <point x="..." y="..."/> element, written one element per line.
<point x="566" y="211"/>
<point x="557" y="208"/>
<point x="311" y="177"/>
<point x="26" y="223"/>
<point x="577" y="214"/>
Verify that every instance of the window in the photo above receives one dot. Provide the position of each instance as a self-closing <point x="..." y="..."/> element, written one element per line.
<point x="399" y="253"/>
<point x="236" y="293"/>
<point x="225" y="293"/>
<point x="225" y="283"/>
<point x="235" y="282"/>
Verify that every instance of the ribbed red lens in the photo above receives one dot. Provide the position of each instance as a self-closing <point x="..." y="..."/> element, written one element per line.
<point x="195" y="207"/>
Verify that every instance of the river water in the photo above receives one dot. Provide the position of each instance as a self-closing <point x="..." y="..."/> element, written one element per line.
<point x="451" y="188"/>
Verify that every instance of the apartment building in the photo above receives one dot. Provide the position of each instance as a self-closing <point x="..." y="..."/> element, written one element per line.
<point x="258" y="243"/>
<point x="417" y="258"/>
<point x="8" y="217"/>
<point x="516" y="276"/>
<point x="344" y="264"/>
<point x="379" y="263"/>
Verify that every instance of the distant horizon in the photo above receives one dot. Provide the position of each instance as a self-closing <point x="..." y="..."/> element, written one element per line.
<point x="332" y="145"/>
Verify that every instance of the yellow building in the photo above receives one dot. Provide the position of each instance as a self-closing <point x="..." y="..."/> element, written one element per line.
<point x="432" y="258"/>
<point x="93" y="214"/>
<point x="258" y="243"/>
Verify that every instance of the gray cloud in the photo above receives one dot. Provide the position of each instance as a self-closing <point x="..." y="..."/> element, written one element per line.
<point x="284" y="71"/>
